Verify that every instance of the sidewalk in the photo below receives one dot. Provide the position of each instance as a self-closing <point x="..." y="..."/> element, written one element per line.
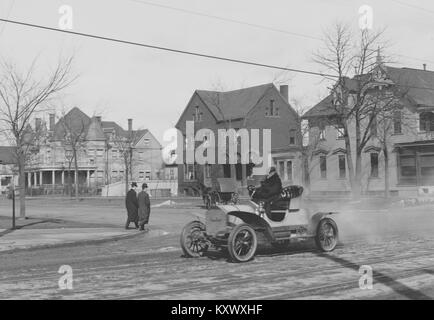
<point x="42" y="238"/>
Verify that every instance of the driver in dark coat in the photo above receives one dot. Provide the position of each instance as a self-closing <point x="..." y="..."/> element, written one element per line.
<point x="270" y="186"/>
<point x="132" y="206"/>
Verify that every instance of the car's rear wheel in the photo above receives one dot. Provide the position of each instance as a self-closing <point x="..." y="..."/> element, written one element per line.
<point x="242" y="243"/>
<point x="326" y="235"/>
<point x="193" y="240"/>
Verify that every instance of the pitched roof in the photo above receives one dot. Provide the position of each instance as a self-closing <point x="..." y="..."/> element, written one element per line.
<point x="321" y="109"/>
<point x="94" y="131"/>
<point x="7" y="155"/>
<point x="234" y="104"/>
<point x="75" y="119"/>
<point x="409" y="78"/>
<point x="418" y="85"/>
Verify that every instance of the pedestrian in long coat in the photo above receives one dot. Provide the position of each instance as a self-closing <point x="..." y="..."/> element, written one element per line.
<point x="144" y="207"/>
<point x="132" y="206"/>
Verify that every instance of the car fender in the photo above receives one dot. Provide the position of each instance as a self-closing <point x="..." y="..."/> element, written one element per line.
<point x="199" y="216"/>
<point x="255" y="221"/>
<point x="316" y="218"/>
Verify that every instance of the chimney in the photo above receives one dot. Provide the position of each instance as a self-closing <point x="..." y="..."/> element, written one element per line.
<point x="424" y="66"/>
<point x="38" y="122"/>
<point x="130" y="125"/>
<point x="98" y="119"/>
<point x="52" y="122"/>
<point x="284" y="91"/>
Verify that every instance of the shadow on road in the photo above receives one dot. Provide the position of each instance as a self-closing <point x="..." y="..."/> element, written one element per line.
<point x="382" y="278"/>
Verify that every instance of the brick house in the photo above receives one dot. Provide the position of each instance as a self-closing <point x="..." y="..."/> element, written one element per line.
<point x="99" y="159"/>
<point x="410" y="141"/>
<point x="258" y="107"/>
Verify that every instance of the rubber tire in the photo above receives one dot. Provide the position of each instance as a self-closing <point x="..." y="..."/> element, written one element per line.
<point x="231" y="244"/>
<point x="185" y="232"/>
<point x="335" y="230"/>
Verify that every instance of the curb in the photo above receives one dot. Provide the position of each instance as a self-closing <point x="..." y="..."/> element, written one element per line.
<point x="78" y="242"/>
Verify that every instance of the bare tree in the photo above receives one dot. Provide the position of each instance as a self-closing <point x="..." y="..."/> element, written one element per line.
<point x="73" y="143"/>
<point x="125" y="145"/>
<point x="356" y="100"/>
<point x="21" y="95"/>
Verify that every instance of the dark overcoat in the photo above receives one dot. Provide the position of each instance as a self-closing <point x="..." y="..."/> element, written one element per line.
<point x="144" y="207"/>
<point x="132" y="205"/>
<point x="270" y="187"/>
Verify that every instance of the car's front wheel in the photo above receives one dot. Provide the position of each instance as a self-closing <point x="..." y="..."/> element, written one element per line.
<point x="193" y="240"/>
<point x="242" y="243"/>
<point x="326" y="235"/>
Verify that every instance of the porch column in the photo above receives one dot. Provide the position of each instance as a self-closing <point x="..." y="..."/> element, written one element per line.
<point x="53" y="177"/>
<point x="75" y="177"/>
<point x="35" y="179"/>
<point x="29" y="179"/>
<point x="88" y="178"/>
<point x="63" y="177"/>
<point x="40" y="178"/>
<point x="244" y="174"/>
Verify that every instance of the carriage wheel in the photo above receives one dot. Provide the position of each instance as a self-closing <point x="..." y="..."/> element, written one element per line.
<point x="242" y="243"/>
<point x="193" y="241"/>
<point x="326" y="235"/>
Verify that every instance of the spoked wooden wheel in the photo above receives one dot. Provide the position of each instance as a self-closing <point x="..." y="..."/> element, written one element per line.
<point x="327" y="235"/>
<point x="242" y="243"/>
<point x="193" y="240"/>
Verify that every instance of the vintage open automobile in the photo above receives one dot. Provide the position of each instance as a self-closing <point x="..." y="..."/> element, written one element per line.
<point x="239" y="227"/>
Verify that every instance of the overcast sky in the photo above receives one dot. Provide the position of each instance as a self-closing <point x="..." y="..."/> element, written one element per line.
<point x="153" y="87"/>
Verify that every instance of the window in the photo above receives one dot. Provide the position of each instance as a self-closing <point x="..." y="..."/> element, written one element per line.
<point x="292" y="136"/>
<point x="426" y="121"/>
<point x="189" y="172"/>
<point x="397" y="122"/>
<point x="100" y="153"/>
<point x="322" y="134"/>
<point x="172" y="174"/>
<point x="289" y="170"/>
<point x="207" y="171"/>
<point x="141" y="155"/>
<point x="114" y="153"/>
<point x="141" y="174"/>
<point x="197" y="116"/>
<point x="91" y="161"/>
<point x="374" y="126"/>
<point x="342" y="166"/>
<point x="147" y="142"/>
<point x="281" y="169"/>
<point x="272" y="110"/>
<point x="340" y="132"/>
<point x="148" y="175"/>
<point x="114" y="174"/>
<point x="374" y="165"/>
<point x="100" y="174"/>
<point x="323" y="166"/>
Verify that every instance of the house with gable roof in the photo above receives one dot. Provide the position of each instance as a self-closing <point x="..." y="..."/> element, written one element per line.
<point x="258" y="107"/>
<point x="100" y="161"/>
<point x="410" y="139"/>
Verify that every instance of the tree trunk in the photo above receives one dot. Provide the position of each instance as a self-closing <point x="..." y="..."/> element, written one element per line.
<point x="386" y="173"/>
<point x="22" y="186"/>
<point x="126" y="176"/>
<point x="350" y="163"/>
<point x="76" y="174"/>
<point x="357" y="187"/>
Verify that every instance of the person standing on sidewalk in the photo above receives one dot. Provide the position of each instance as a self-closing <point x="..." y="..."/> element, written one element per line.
<point x="144" y="207"/>
<point x="132" y="206"/>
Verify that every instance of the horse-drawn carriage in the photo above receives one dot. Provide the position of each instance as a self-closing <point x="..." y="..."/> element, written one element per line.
<point x="237" y="226"/>
<point x="225" y="193"/>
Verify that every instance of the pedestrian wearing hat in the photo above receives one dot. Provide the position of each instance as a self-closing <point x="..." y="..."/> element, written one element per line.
<point x="144" y="207"/>
<point x="132" y="206"/>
